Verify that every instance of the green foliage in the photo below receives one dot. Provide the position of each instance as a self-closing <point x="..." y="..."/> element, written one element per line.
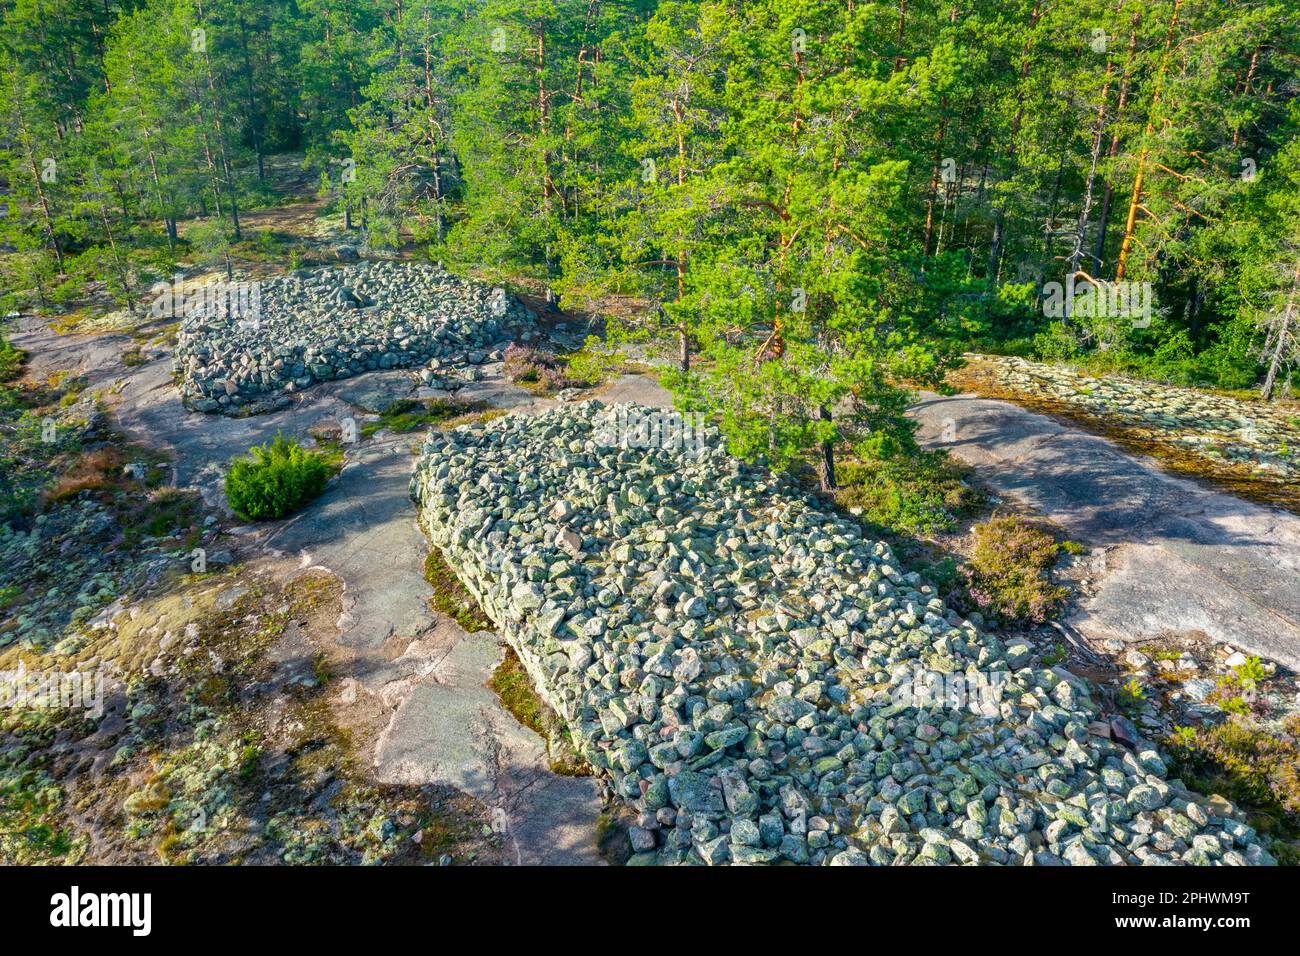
<point x="1252" y="670"/>
<point x="1059" y="654"/>
<point x="276" y="479"/>
<point x="1251" y="764"/>
<point x="945" y="574"/>
<point x="1009" y="572"/>
<point x="450" y="597"/>
<point x="11" y="361"/>
<point x="1237" y="692"/>
<point x="1130" y="697"/>
<point x="912" y="183"/>
<point x="408" y="414"/>
<point x="595" y="362"/>
<point x="921" y="493"/>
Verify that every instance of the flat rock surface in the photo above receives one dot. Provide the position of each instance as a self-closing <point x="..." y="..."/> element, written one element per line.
<point x="451" y="730"/>
<point x="1179" y="556"/>
<point x="363" y="530"/>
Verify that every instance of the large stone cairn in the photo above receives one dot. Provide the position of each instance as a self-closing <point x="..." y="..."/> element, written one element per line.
<point x="325" y="324"/>
<point x="744" y="669"/>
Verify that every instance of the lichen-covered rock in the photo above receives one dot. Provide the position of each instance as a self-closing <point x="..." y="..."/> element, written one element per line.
<point x="1212" y="427"/>
<point x="325" y="324"/>
<point x="723" y="650"/>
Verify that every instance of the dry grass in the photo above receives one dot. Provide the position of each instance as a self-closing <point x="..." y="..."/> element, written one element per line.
<point x="99" y="469"/>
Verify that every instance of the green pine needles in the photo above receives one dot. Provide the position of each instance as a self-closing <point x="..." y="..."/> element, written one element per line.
<point x="276" y="479"/>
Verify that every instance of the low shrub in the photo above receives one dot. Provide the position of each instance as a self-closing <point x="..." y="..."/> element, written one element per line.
<point x="276" y="479"/>
<point x="1253" y="765"/>
<point x="1236" y="692"/>
<point x="525" y="365"/>
<point x="922" y="493"/>
<point x="134" y="357"/>
<point x="1009" y="572"/>
<point x="11" y="360"/>
<point x="1130" y="698"/>
<point x="99" y="469"/>
<point x="595" y="361"/>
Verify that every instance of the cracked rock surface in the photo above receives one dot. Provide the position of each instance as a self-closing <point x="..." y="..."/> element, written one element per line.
<point x="325" y="324"/>
<point x="752" y="675"/>
<point x="1178" y="557"/>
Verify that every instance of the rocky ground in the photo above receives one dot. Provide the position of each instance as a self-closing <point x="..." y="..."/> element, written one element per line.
<point x="1186" y="610"/>
<point x="744" y="668"/>
<point x="301" y="699"/>
<point x="1170" y="555"/>
<point x="320" y="325"/>
<point x="1252" y="444"/>
<point x="396" y="722"/>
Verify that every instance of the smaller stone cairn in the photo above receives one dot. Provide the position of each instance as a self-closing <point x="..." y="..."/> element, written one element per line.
<point x="325" y="324"/>
<point x="1213" y="427"/>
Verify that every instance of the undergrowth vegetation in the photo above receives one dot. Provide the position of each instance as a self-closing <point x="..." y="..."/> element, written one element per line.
<point x="538" y="368"/>
<point x="450" y="596"/>
<point x="1254" y="765"/>
<point x="408" y="414"/>
<point x="276" y="479"/>
<point x="1009" y="573"/>
<point x="922" y="493"/>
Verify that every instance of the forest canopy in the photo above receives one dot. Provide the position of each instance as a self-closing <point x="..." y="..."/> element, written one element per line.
<point x="814" y="201"/>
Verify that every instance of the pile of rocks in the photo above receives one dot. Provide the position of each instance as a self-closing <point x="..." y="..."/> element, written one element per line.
<point x="1212" y="427"/>
<point x="762" y="683"/>
<point x="325" y="324"/>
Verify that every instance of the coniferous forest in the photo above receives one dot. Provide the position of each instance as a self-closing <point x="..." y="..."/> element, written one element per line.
<point x="862" y="190"/>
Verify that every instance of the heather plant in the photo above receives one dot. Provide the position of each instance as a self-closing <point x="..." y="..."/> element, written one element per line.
<point x="538" y="367"/>
<point x="1246" y="761"/>
<point x="1009" y="573"/>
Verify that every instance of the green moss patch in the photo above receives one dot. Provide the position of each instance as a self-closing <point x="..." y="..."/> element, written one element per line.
<point x="450" y="597"/>
<point x="511" y="683"/>
<point x="408" y="414"/>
